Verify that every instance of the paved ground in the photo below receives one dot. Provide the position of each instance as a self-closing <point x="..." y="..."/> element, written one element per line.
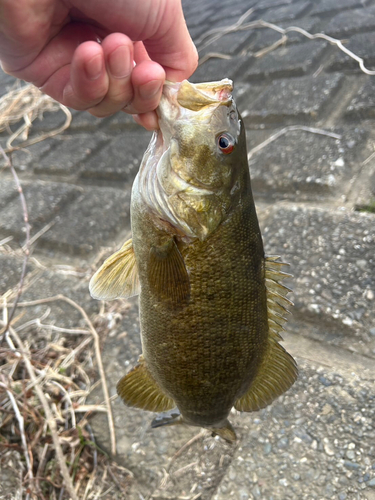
<point x="315" y="196"/>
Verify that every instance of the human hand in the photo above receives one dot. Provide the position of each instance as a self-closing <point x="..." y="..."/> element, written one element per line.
<point x="54" y="45"/>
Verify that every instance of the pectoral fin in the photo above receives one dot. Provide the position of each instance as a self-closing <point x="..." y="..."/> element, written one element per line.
<point x="168" y="276"/>
<point x="117" y="277"/>
<point x="140" y="390"/>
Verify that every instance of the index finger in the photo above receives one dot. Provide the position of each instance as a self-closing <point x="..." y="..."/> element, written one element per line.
<point x="160" y="24"/>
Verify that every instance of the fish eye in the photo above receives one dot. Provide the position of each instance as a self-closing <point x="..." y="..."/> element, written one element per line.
<point x="226" y="143"/>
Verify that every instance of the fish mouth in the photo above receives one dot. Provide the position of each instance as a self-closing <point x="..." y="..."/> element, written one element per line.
<point x="182" y="98"/>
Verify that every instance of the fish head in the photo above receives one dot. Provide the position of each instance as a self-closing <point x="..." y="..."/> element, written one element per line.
<point x="197" y="158"/>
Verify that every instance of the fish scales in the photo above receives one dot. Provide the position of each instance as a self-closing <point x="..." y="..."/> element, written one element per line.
<point x="209" y="299"/>
<point x="193" y="351"/>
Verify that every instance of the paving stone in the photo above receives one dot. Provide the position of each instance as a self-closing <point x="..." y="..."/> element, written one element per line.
<point x="69" y="154"/>
<point x="246" y="93"/>
<point x="331" y="253"/>
<point x="91" y="221"/>
<point x="197" y="32"/>
<point x="7" y="83"/>
<point x="11" y="268"/>
<point x="351" y="22"/>
<point x="230" y="44"/>
<point x="318" y="423"/>
<point x="224" y="22"/>
<point x="307" y="165"/>
<point x="266" y="4"/>
<point x="24" y="159"/>
<point x="365" y="193"/>
<point x="230" y="10"/>
<point x="216" y="69"/>
<point x="254" y="138"/>
<point x="120" y="121"/>
<point x="330" y="6"/>
<point x="267" y="37"/>
<point x="362" y="45"/>
<point x="363" y="104"/>
<point x="48" y="284"/>
<point x="286" y="13"/>
<point x="82" y="120"/>
<point x="199" y="18"/>
<point x="8" y="191"/>
<point x="44" y="201"/>
<point x="119" y="159"/>
<point x="298" y="99"/>
<point x="295" y="60"/>
<point x="47" y="122"/>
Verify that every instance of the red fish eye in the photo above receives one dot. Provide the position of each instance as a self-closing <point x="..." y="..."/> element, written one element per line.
<point x="226" y="143"/>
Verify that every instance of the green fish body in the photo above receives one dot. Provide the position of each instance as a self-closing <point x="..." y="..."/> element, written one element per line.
<point x="211" y="304"/>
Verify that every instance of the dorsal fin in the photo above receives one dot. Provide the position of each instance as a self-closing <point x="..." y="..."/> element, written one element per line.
<point x="278" y="370"/>
<point x="117" y="277"/>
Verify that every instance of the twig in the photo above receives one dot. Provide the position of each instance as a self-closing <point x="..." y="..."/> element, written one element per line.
<point x="40" y="233"/>
<point x="22" y="428"/>
<point x="211" y="55"/>
<point x="50" y="421"/>
<point x="28" y="103"/>
<point x="368" y="159"/>
<point x="27" y="244"/>
<point x="270" y="48"/>
<point x="238" y="26"/>
<point x="97" y="355"/>
<point x="67" y="397"/>
<point x="226" y="29"/>
<point x="290" y="129"/>
<point x="6" y="240"/>
<point x="198" y="436"/>
<point x="180" y="471"/>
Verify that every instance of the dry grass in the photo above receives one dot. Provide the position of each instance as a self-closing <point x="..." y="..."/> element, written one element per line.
<point x="47" y="373"/>
<point x="20" y="107"/>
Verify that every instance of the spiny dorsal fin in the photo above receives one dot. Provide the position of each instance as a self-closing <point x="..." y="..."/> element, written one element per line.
<point x="117" y="277"/>
<point x="278" y="370"/>
<point x="140" y="390"/>
<point x="167" y="273"/>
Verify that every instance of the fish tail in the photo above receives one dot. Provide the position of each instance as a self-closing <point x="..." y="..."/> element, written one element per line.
<point x="226" y="432"/>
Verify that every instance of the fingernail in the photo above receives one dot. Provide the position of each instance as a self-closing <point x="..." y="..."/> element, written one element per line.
<point x="94" y="67"/>
<point x="150" y="89"/>
<point x="119" y="62"/>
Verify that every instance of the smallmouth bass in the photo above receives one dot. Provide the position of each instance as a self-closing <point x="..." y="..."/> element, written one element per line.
<point x="211" y="304"/>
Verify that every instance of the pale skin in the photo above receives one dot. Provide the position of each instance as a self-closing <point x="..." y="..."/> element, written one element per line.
<point x="82" y="52"/>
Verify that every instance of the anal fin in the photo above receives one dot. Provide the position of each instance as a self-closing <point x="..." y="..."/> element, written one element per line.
<point x="117" y="277"/>
<point x="140" y="390"/>
<point x="276" y="374"/>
